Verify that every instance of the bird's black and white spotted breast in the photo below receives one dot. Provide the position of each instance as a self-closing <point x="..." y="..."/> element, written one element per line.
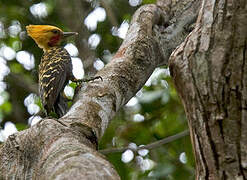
<point x="54" y="71"/>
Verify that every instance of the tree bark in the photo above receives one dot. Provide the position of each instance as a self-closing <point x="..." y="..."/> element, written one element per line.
<point x="210" y="73"/>
<point x="66" y="148"/>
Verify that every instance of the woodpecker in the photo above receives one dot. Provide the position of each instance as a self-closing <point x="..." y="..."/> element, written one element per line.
<point x="55" y="68"/>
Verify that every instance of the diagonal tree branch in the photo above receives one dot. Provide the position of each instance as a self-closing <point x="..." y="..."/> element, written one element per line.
<point x="153" y="145"/>
<point x="129" y="69"/>
<point x="122" y="77"/>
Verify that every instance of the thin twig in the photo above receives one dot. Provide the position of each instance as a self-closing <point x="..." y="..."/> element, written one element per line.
<point x="148" y="146"/>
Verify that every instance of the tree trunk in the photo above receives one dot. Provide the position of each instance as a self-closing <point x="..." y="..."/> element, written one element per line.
<point x="210" y="73"/>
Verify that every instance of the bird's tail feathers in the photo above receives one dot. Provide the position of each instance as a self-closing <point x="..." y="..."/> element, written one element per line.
<point x="61" y="106"/>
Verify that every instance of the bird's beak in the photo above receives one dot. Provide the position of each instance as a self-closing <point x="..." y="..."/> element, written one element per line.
<point x="67" y="34"/>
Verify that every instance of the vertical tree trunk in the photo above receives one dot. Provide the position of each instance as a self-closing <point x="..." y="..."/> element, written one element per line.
<point x="210" y="73"/>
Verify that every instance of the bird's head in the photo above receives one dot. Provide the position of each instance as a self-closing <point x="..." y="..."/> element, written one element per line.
<point x="47" y="36"/>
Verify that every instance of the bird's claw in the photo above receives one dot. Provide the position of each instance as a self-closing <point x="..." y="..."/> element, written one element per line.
<point x="88" y="79"/>
<point x="98" y="77"/>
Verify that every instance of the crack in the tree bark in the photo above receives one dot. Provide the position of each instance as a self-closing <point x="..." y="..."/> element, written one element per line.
<point x="243" y="65"/>
<point x="215" y="100"/>
<point x="224" y="175"/>
<point x="222" y="13"/>
<point x="220" y="122"/>
<point x="204" y="115"/>
<point x="238" y="93"/>
<point x="225" y="96"/>
<point x="203" y="157"/>
<point x="213" y="147"/>
<point x="242" y="109"/>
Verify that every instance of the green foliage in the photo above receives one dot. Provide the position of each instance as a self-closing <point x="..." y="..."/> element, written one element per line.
<point x="148" y="1"/>
<point x="158" y="107"/>
<point x="21" y="126"/>
<point x="6" y="107"/>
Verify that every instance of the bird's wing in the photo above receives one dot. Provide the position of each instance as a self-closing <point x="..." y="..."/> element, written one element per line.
<point x="53" y="75"/>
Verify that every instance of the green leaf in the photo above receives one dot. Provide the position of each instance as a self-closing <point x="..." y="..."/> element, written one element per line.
<point x="16" y="67"/>
<point x="21" y="126"/>
<point x="6" y="107"/>
<point x="148" y="1"/>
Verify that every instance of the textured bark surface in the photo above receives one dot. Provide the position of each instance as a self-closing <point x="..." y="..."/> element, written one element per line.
<point x="210" y="73"/>
<point x="66" y="148"/>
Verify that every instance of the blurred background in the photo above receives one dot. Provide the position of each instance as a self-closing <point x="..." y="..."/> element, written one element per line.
<point x="153" y="114"/>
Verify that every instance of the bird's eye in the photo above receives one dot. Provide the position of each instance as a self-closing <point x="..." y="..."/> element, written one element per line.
<point x="55" y="31"/>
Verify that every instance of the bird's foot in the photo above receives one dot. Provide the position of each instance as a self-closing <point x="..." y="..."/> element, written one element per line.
<point x="79" y="81"/>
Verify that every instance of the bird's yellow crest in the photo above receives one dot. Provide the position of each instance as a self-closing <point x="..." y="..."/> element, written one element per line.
<point x="45" y="36"/>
